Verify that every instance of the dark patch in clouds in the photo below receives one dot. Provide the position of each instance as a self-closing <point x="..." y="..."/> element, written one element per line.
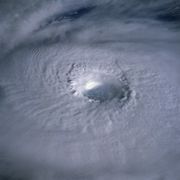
<point x="169" y="13"/>
<point x="67" y="16"/>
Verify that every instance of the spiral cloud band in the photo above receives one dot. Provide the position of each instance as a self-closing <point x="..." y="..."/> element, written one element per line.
<point x="89" y="90"/>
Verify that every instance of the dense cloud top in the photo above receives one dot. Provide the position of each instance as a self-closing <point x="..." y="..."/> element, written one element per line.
<point x="54" y="125"/>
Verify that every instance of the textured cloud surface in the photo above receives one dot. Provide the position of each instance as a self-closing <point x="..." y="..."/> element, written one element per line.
<point x="89" y="90"/>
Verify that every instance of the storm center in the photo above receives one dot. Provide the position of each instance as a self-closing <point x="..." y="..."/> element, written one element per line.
<point x="101" y="88"/>
<point x="101" y="91"/>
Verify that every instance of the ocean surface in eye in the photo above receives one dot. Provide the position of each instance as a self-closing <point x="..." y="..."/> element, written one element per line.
<point x="89" y="90"/>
